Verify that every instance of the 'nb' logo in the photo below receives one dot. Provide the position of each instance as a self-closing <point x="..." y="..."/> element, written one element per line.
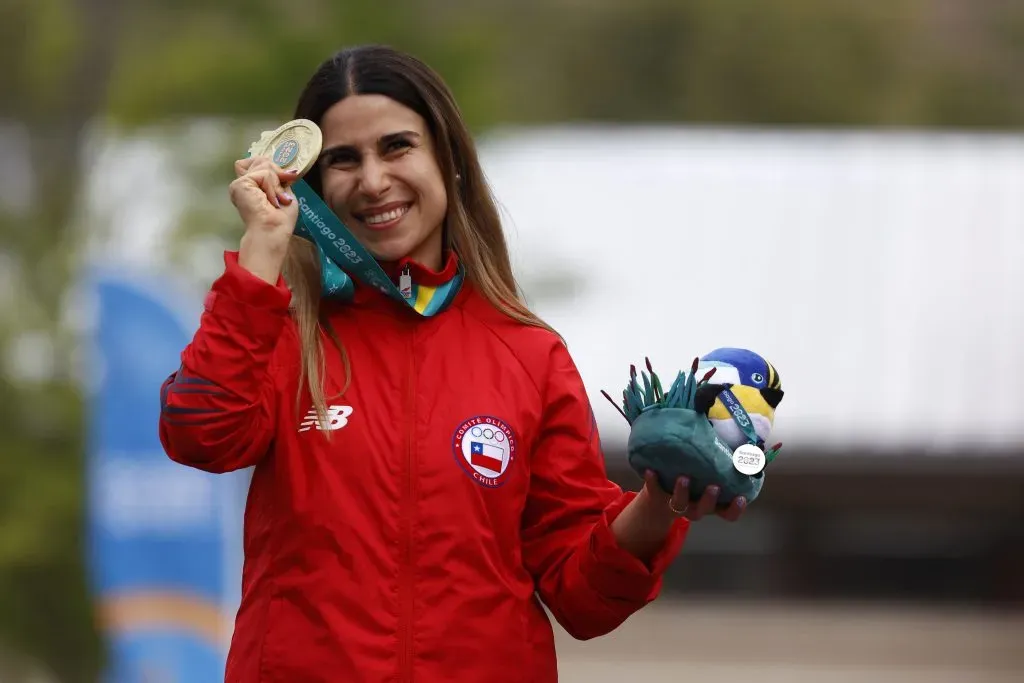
<point x="337" y="417"/>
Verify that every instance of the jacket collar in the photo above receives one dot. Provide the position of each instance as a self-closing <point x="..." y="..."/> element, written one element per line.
<point x="420" y="273"/>
<point x="368" y="297"/>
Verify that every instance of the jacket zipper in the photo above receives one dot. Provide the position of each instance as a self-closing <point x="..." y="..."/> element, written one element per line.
<point x="406" y="567"/>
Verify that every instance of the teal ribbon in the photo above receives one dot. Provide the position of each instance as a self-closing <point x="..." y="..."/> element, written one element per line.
<point x="334" y="282"/>
<point x="341" y="254"/>
<point x="740" y="417"/>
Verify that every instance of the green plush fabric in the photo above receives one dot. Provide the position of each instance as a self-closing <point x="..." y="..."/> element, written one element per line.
<point x="669" y="436"/>
<point x="675" y="442"/>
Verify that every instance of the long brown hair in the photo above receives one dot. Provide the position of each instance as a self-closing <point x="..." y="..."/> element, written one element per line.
<point x="472" y="226"/>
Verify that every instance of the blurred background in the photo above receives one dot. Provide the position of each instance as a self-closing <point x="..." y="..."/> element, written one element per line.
<point x="838" y="185"/>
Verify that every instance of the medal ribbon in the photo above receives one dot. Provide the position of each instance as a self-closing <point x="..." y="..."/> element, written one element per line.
<point x="337" y="246"/>
<point x="740" y="416"/>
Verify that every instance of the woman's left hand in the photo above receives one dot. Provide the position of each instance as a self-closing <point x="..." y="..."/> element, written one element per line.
<point x="679" y="504"/>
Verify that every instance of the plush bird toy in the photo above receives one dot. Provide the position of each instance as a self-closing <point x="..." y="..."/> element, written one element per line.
<point x="713" y="430"/>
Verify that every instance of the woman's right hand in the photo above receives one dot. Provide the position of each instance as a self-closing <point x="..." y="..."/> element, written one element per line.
<point x="268" y="211"/>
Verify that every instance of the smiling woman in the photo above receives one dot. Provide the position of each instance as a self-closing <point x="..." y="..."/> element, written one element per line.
<point x="400" y="168"/>
<point x="455" y="471"/>
<point x="379" y="173"/>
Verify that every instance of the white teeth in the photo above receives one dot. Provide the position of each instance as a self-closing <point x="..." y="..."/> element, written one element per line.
<point x="392" y="215"/>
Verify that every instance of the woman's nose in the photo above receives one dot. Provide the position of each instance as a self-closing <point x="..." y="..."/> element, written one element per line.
<point x="374" y="180"/>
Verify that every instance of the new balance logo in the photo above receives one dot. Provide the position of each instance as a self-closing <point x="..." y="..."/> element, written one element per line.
<point x="337" y="417"/>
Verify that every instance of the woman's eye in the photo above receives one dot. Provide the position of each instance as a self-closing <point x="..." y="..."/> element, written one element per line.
<point x="341" y="161"/>
<point x="396" y="146"/>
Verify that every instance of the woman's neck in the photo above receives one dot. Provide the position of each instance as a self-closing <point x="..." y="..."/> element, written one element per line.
<point x="429" y="253"/>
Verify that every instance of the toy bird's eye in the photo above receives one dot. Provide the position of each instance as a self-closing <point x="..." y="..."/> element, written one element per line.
<point x="757" y="377"/>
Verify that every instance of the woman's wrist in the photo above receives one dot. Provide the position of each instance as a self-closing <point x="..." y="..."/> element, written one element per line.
<point x="263" y="256"/>
<point x="642" y="527"/>
<point x="657" y="513"/>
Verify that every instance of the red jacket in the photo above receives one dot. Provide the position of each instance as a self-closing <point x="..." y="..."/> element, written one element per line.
<point x="462" y="478"/>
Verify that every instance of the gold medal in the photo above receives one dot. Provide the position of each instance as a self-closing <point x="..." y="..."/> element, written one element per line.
<point x="295" y="145"/>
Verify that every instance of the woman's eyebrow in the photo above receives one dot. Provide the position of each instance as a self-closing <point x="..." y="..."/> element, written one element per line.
<point x="337" y="149"/>
<point x="392" y="137"/>
<point x="383" y="140"/>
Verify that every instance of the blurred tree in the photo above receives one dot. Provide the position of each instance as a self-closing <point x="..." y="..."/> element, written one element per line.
<point x="59" y="56"/>
<point x="793" y="62"/>
<point x="75" y="66"/>
<point x="779" y="62"/>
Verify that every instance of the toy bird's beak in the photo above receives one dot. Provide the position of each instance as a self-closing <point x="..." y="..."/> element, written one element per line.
<point x="772" y="397"/>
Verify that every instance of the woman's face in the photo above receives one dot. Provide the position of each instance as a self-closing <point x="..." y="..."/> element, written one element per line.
<point x="380" y="176"/>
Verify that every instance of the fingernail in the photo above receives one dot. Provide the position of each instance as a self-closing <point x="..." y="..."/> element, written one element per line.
<point x="741" y="502"/>
<point x="286" y="197"/>
<point x="293" y="171"/>
<point x="714" y="490"/>
<point x="685" y="481"/>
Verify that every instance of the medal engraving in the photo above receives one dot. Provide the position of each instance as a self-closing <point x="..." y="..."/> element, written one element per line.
<point x="294" y="145"/>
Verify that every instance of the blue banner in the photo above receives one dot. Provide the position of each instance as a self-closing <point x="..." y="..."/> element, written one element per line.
<point x="164" y="539"/>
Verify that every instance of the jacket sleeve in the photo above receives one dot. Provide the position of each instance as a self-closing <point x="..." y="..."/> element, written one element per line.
<point x="589" y="583"/>
<point x="217" y="411"/>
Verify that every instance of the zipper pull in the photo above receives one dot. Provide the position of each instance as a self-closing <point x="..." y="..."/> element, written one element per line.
<point x="405" y="283"/>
